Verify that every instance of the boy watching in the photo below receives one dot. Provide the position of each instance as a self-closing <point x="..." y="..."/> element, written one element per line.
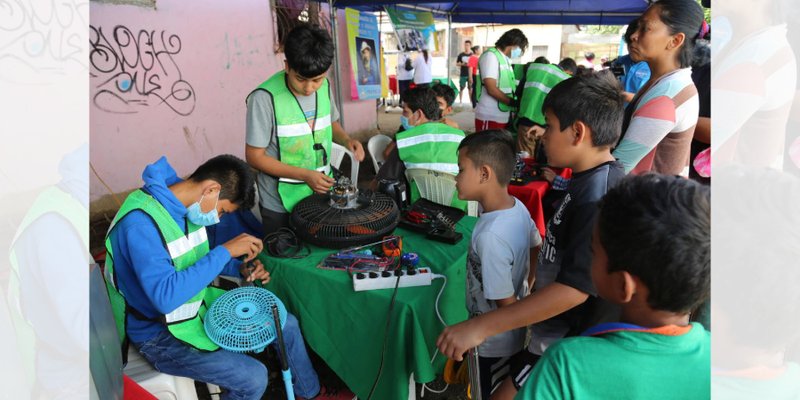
<point x="584" y="119"/>
<point x="426" y="143"/>
<point x="498" y="261"/>
<point x="445" y="97"/>
<point x="651" y="255"/>
<point x="291" y="123"/>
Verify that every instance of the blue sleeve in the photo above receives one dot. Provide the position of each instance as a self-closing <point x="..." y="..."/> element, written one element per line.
<point x="140" y="243"/>
<point x="232" y="268"/>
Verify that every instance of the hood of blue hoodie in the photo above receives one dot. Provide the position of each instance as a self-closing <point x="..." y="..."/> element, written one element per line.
<point x="157" y="178"/>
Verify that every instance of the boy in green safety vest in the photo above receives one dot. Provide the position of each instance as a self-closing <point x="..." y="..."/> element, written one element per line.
<point x="497" y="80"/>
<point x="291" y="123"/>
<point x="159" y="269"/>
<point x="425" y="143"/>
<point x="538" y="78"/>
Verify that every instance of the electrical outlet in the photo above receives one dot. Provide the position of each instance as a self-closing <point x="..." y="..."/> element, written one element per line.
<point x="387" y="279"/>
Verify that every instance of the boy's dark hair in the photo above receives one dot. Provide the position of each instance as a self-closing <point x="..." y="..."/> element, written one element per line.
<point x="513" y="37"/>
<point x="658" y="228"/>
<point x="475" y="48"/>
<point x="589" y="56"/>
<point x="494" y="148"/>
<point x="568" y="65"/>
<point x="541" y="60"/>
<point x="684" y="16"/>
<point x="444" y="91"/>
<point x="309" y="50"/>
<point x="233" y="174"/>
<point x="423" y="99"/>
<point x="594" y="100"/>
<point x="468" y="41"/>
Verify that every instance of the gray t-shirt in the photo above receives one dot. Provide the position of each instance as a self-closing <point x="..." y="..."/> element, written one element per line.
<point x="261" y="133"/>
<point x="497" y="268"/>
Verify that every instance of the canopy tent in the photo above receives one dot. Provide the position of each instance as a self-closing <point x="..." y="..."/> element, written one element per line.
<point x="553" y="12"/>
<point x="561" y="12"/>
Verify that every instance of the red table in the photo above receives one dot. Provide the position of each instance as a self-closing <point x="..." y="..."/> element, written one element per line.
<point x="531" y="196"/>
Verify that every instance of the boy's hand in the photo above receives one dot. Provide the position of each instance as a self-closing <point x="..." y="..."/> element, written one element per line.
<point x="244" y="245"/>
<point x="548" y="174"/>
<point x="255" y="270"/>
<point x="357" y="148"/>
<point x="318" y="182"/>
<point x="455" y="340"/>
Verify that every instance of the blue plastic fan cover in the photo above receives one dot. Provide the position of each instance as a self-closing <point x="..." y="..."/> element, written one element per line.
<point x="241" y="319"/>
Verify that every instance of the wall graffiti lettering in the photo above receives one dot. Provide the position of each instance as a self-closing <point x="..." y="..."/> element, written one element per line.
<point x="133" y="71"/>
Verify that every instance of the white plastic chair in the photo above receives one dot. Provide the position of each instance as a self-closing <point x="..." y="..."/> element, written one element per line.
<point x="337" y="154"/>
<point x="437" y="187"/>
<point x="376" y="145"/>
<point x="160" y="385"/>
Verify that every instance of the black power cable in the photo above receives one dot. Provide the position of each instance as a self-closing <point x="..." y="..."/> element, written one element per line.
<point x="385" y="337"/>
<point x="283" y="243"/>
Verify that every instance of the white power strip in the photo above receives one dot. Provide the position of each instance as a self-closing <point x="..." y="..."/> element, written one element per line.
<point x="387" y="279"/>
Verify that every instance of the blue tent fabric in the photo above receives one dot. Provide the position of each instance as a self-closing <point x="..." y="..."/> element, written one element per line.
<point x="565" y="12"/>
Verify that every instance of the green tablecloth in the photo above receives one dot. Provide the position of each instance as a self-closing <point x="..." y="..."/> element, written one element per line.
<point x="346" y="328"/>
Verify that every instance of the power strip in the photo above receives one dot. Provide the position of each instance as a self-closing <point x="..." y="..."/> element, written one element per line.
<point x="387" y="279"/>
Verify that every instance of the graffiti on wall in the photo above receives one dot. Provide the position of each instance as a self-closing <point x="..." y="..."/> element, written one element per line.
<point x="132" y="72"/>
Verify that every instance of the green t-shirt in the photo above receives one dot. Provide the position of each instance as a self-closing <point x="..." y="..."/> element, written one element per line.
<point x="624" y="365"/>
<point x="785" y="386"/>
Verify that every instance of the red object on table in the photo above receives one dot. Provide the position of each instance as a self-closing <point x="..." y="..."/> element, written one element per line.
<point x="132" y="390"/>
<point x="531" y="196"/>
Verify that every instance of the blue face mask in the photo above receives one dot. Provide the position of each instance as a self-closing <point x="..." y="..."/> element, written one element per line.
<point x="198" y="217"/>
<point x="516" y="52"/>
<point x="405" y="123"/>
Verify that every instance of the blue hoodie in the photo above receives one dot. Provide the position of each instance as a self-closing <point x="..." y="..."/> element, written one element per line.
<point x="145" y="274"/>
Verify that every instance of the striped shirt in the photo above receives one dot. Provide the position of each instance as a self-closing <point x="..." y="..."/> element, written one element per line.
<point x="660" y="132"/>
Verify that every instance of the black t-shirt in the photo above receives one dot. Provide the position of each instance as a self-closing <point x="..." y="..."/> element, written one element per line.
<point x="464" y="58"/>
<point x="702" y="80"/>
<point x="566" y="255"/>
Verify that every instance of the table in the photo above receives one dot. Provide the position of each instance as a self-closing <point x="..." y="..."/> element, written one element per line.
<point x="531" y="196"/>
<point x="346" y="328"/>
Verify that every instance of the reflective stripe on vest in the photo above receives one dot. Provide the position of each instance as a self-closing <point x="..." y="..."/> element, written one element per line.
<point x="433" y="146"/>
<point x="296" y="139"/>
<point x="185" y="248"/>
<point x="539" y="80"/>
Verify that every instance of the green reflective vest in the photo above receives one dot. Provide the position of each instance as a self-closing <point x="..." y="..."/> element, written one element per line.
<point x="432" y="145"/>
<point x="296" y="138"/>
<point x="56" y="201"/>
<point x="539" y="80"/>
<point x="505" y="83"/>
<point x="186" y="322"/>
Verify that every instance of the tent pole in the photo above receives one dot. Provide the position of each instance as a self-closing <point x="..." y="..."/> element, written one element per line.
<point x="338" y="81"/>
<point x="449" y="44"/>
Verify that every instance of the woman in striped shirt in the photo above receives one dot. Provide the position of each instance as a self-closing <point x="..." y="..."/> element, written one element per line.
<point x="660" y="121"/>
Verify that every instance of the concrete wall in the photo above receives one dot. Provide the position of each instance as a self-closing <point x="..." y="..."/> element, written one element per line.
<point x="173" y="80"/>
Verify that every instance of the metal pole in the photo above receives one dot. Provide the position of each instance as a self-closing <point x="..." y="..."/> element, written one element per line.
<point x="449" y="44"/>
<point x="338" y="81"/>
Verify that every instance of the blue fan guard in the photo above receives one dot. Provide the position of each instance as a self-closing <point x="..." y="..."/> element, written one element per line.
<point x="241" y="319"/>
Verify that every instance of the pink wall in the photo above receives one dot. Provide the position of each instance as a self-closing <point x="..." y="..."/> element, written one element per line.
<point x="190" y="66"/>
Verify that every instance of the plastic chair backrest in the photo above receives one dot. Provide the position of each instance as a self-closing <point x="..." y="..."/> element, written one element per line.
<point x="337" y="154"/>
<point x="435" y="186"/>
<point x="376" y="145"/>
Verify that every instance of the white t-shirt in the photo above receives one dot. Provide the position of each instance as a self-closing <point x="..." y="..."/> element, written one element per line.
<point x="497" y="268"/>
<point x="422" y="69"/>
<point x="486" y="109"/>
<point x="402" y="74"/>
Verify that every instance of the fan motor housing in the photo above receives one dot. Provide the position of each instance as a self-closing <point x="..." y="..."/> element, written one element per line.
<point x="338" y="222"/>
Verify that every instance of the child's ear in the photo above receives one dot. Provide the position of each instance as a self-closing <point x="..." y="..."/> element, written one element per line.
<point x="677" y="40"/>
<point x="628" y="285"/>
<point x="486" y="173"/>
<point x="580" y="132"/>
<point x="286" y="66"/>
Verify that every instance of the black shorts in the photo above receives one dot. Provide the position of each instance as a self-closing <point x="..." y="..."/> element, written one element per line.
<point x="522" y="365"/>
<point x="493" y="371"/>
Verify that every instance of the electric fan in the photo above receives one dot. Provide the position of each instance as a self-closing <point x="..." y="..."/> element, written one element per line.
<point x="244" y="320"/>
<point x="344" y="217"/>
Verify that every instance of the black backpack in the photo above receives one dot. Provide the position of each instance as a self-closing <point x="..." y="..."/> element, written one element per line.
<point x="408" y="65"/>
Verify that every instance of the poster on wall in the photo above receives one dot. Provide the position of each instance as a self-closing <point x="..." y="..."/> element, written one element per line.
<point x="363" y="40"/>
<point x="415" y="29"/>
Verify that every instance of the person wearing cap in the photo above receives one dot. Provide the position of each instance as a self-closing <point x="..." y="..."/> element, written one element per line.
<point x="368" y="71"/>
